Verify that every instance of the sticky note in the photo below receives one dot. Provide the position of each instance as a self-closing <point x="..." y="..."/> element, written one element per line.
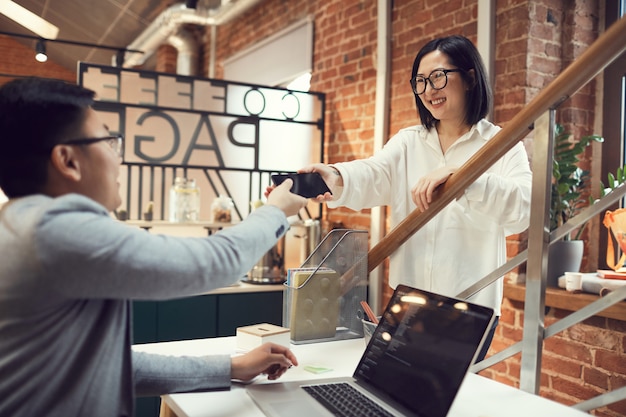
<point x="316" y="369"/>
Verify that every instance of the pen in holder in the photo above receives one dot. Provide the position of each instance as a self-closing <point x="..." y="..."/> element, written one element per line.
<point x="322" y="298"/>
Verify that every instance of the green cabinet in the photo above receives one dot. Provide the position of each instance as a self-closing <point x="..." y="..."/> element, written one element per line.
<point x="236" y="310"/>
<point x="164" y="321"/>
<point x="200" y="317"/>
<point x="204" y="316"/>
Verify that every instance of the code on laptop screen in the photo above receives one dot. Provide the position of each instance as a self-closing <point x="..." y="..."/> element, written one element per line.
<point x="422" y="349"/>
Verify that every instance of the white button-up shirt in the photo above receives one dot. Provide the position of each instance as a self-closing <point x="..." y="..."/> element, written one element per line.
<point x="467" y="239"/>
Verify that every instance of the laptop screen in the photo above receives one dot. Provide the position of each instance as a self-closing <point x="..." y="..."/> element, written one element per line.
<point x="422" y="349"/>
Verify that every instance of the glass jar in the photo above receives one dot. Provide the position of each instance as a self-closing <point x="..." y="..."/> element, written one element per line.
<point x="184" y="200"/>
<point x="222" y="210"/>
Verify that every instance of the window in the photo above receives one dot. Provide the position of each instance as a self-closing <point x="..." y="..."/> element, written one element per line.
<point x="292" y="47"/>
<point x="614" y="114"/>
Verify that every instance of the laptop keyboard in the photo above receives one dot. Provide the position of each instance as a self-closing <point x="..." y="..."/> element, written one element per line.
<point x="344" y="400"/>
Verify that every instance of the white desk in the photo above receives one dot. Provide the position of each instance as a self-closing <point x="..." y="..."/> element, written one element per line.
<point x="478" y="397"/>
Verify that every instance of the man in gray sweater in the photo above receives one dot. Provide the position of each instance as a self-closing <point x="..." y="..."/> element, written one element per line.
<point x="69" y="270"/>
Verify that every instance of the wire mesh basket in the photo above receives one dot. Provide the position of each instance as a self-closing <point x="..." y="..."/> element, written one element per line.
<point x="322" y="298"/>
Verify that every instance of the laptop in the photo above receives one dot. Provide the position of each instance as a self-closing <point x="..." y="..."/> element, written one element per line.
<point x="413" y="365"/>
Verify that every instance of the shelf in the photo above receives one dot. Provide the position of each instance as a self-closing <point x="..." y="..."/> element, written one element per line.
<point x="562" y="299"/>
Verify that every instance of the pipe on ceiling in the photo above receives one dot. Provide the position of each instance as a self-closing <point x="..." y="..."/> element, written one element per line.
<point x="170" y="20"/>
<point x="187" y="46"/>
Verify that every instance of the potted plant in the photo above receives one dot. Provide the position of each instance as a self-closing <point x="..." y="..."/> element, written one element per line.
<point x="149" y="211"/>
<point x="569" y="196"/>
<point x="569" y="181"/>
<point x="121" y="215"/>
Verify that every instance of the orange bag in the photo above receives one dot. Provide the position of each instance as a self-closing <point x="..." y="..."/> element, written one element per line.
<point x="615" y="221"/>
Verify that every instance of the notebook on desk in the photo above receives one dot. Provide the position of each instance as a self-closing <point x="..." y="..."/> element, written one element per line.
<point x="413" y="365"/>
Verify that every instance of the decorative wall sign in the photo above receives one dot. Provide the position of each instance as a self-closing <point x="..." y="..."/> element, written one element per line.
<point x="229" y="136"/>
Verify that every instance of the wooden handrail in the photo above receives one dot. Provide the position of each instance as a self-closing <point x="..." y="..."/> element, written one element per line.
<point x="601" y="53"/>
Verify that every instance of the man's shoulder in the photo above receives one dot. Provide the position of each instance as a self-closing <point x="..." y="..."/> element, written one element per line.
<point x="39" y="206"/>
<point x="77" y="202"/>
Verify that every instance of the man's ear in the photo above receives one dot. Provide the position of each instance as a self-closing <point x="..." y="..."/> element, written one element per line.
<point x="65" y="161"/>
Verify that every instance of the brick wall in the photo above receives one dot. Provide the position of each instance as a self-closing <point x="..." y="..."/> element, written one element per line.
<point x="166" y="59"/>
<point x="579" y="363"/>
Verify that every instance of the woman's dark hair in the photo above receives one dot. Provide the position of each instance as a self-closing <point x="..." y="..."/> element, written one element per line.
<point x="462" y="54"/>
<point x="35" y="115"/>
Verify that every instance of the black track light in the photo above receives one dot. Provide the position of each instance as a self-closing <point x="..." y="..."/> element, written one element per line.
<point x="40" y="49"/>
<point x="119" y="58"/>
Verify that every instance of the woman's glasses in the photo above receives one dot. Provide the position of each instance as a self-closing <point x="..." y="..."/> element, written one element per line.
<point x="438" y="79"/>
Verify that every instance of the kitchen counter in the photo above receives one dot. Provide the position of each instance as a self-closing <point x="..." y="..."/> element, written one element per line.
<point x="245" y="287"/>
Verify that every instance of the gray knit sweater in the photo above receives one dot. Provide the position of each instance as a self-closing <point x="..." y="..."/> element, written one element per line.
<point x="67" y="274"/>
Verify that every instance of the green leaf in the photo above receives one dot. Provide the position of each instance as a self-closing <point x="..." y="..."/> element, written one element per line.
<point x="569" y="181"/>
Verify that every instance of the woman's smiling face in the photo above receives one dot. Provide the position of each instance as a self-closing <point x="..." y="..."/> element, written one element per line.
<point x="449" y="103"/>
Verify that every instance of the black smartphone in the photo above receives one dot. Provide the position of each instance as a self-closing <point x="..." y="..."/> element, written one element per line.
<point x="308" y="184"/>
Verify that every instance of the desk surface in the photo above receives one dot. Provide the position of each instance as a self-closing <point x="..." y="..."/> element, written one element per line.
<point x="478" y="397"/>
<point x="245" y="287"/>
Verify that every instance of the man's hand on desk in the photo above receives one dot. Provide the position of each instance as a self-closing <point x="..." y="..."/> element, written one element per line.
<point x="270" y="359"/>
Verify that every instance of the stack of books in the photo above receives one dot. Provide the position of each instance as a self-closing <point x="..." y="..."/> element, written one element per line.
<point x="610" y="274"/>
<point x="312" y="307"/>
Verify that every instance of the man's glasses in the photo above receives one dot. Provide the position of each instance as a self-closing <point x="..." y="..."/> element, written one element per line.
<point x="438" y="79"/>
<point x="116" y="142"/>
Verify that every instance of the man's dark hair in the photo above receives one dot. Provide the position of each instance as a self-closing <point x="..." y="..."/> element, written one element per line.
<point x="35" y="115"/>
<point x="462" y="54"/>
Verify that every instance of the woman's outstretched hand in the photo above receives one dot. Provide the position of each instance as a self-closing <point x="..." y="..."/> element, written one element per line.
<point x="331" y="177"/>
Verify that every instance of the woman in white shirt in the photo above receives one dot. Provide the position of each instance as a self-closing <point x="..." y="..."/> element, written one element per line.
<point x="467" y="239"/>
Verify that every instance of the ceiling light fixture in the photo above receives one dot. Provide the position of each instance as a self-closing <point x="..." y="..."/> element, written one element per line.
<point x="40" y="50"/>
<point x="119" y="58"/>
<point x="28" y="19"/>
<point x="41" y="45"/>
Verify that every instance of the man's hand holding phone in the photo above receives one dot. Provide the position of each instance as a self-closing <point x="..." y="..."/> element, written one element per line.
<point x="285" y="200"/>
